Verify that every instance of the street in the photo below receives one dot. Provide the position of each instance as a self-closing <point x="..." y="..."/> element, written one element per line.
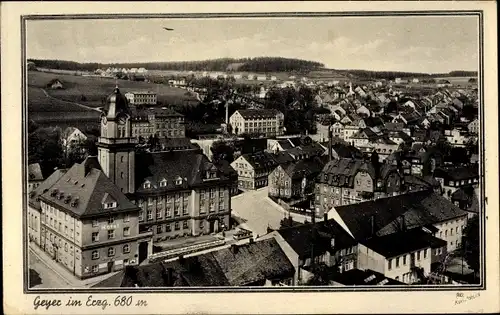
<point x="41" y="276"/>
<point x="255" y="211"/>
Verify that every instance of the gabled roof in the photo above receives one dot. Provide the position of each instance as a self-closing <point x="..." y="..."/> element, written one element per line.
<point x="235" y="266"/>
<point x="258" y="113"/>
<point x="190" y="166"/>
<point x="44" y="186"/>
<point x="457" y="173"/>
<point x="404" y="242"/>
<point x="419" y="208"/>
<point x="34" y="172"/>
<point x="346" y="151"/>
<point x="82" y="189"/>
<point x="300" y="238"/>
<point x="304" y="168"/>
<point x="341" y="172"/>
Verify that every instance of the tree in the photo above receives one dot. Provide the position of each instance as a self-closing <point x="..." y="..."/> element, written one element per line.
<point x="222" y="151"/>
<point x="470" y="243"/>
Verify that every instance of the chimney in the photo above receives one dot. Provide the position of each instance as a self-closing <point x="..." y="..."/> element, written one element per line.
<point x="251" y="241"/>
<point x="234" y="248"/>
<point x="182" y="260"/>
<point x="325" y="216"/>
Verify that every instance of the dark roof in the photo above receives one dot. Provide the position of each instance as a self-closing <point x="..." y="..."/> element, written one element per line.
<point x="44" y="186"/>
<point x="457" y="173"/>
<point x="419" y="208"/>
<point x="363" y="277"/>
<point x="373" y="121"/>
<point x="258" y="113"/>
<point x="300" y="238"/>
<point x="177" y="144"/>
<point x="346" y="151"/>
<point x="116" y="103"/>
<point x="341" y="172"/>
<point x="399" y="243"/>
<point x="142" y="113"/>
<point x="262" y="160"/>
<point x="83" y="190"/>
<point x="235" y="266"/>
<point x="34" y="172"/>
<point x="285" y="144"/>
<point x="463" y="194"/>
<point x="309" y="168"/>
<point x="190" y="166"/>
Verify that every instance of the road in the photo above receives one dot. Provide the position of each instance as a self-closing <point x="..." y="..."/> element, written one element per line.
<point x="256" y="211"/>
<point x="77" y="104"/>
<point x="47" y="276"/>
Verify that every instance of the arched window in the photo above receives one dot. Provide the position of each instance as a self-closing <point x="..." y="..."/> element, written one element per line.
<point x="121" y="174"/>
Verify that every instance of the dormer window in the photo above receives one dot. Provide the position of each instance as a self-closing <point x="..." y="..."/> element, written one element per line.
<point x="163" y="183"/>
<point x="178" y="181"/>
<point x="452" y="183"/>
<point x="379" y="183"/>
<point x="110" y="205"/>
<point x="147" y="185"/>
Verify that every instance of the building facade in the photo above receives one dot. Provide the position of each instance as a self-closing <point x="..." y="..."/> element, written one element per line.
<point x="253" y="121"/>
<point x="160" y="122"/>
<point x="141" y="98"/>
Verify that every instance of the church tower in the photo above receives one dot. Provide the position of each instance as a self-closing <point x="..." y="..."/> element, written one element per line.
<point x="115" y="145"/>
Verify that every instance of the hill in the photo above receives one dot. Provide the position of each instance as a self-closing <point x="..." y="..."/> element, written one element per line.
<point x="260" y="64"/>
<point x="391" y="75"/>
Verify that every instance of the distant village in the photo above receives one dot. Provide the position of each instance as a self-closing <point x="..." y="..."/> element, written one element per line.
<point x="381" y="190"/>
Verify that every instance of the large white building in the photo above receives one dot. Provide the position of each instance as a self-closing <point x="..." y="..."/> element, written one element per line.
<point x="141" y="98"/>
<point x="268" y="122"/>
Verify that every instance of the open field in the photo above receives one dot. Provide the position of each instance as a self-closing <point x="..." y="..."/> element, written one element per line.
<point x="90" y="91"/>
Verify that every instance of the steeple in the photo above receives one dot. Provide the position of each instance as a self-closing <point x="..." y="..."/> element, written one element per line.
<point x="116" y="103"/>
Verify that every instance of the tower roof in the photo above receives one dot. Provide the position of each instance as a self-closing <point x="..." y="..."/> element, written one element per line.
<point x="116" y="103"/>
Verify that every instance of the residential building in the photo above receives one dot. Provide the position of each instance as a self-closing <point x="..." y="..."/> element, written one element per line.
<point x="35" y="176"/>
<point x="421" y="209"/>
<point x="295" y="180"/>
<point x="455" y="178"/>
<point x="346" y="181"/>
<point x="162" y="122"/>
<point x="473" y="126"/>
<point x="72" y="137"/>
<point x="55" y="84"/>
<point x="261" y="263"/>
<point x="141" y="98"/>
<point x="257" y="121"/>
<point x="456" y="138"/>
<point x="254" y="168"/>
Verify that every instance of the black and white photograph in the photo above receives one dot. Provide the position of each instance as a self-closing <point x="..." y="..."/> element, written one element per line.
<point x="262" y="152"/>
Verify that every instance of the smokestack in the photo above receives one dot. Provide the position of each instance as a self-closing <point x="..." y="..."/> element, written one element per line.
<point x="372" y="222"/>
<point x="325" y="216"/>
<point x="227" y="113"/>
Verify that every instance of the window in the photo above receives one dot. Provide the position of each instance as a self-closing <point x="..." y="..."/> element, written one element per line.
<point x="95" y="236"/>
<point x="211" y="207"/>
<point x="159" y="214"/>
<point x="150" y="201"/>
<point x="111" y="234"/>
<point x="425" y="253"/>
<point x="95" y="269"/>
<point x="168" y="228"/>
<point x="185" y="224"/>
<point x="404" y="260"/>
<point x="159" y="229"/>
<point x="111" y="252"/>
<point x="446" y="233"/>
<point x="126" y="231"/>
<point x="177" y="226"/>
<point x="121" y="160"/>
<point x="141" y="215"/>
<point x="418" y="255"/>
<point x="95" y="255"/>
<point x="212" y="193"/>
<point x="150" y="215"/>
<point x="397" y="262"/>
<point x="126" y="249"/>
<point x="126" y="218"/>
<point x="147" y="185"/>
<point x="456" y="230"/>
<point x="65" y="247"/>
<point x="111" y="220"/>
<point x="390" y="264"/>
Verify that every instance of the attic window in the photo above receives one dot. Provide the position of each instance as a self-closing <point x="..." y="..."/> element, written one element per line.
<point x="61" y="195"/>
<point x="110" y="205"/>
<point x="147" y="185"/>
<point x="163" y="183"/>
<point x="178" y="181"/>
<point x="67" y="199"/>
<point x="53" y="193"/>
<point x="379" y="183"/>
<point x="74" y="203"/>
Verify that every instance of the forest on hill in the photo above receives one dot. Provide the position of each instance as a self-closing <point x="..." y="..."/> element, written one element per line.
<point x="391" y="75"/>
<point x="260" y="64"/>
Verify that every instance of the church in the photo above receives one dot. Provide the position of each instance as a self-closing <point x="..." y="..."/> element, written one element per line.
<point x="107" y="212"/>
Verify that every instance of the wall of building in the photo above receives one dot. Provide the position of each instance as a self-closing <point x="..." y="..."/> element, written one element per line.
<point x="451" y="231"/>
<point x="399" y="267"/>
<point x="369" y="259"/>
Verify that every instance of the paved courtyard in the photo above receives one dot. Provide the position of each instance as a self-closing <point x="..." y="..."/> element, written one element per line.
<point x="255" y="211"/>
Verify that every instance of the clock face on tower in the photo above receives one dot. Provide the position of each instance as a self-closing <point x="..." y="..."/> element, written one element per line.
<point x="122" y="120"/>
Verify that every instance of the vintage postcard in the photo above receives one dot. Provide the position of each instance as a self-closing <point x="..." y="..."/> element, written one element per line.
<point x="233" y="158"/>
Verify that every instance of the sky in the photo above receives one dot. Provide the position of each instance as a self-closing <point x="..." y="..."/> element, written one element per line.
<point x="417" y="44"/>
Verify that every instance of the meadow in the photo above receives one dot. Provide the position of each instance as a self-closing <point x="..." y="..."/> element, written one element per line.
<point x="90" y="91"/>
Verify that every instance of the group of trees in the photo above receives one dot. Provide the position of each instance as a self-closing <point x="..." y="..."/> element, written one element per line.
<point x="258" y="64"/>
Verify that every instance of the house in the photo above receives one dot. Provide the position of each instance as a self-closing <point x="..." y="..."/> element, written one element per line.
<point x="254" y="168"/>
<point x="454" y="178"/>
<point x="340" y="150"/>
<point x="405" y="256"/>
<point x="326" y="242"/>
<point x="72" y="137"/>
<point x="35" y="176"/>
<point x="345" y="181"/>
<point x="473" y="126"/>
<point x="360" y="91"/>
<point x="261" y="263"/>
<point x="141" y="98"/>
<point x="55" y="84"/>
<point x="257" y="121"/>
<point x="363" y="111"/>
<point x="162" y="122"/>
<point x="456" y="138"/>
<point x="296" y="179"/>
<point x="385" y="216"/>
